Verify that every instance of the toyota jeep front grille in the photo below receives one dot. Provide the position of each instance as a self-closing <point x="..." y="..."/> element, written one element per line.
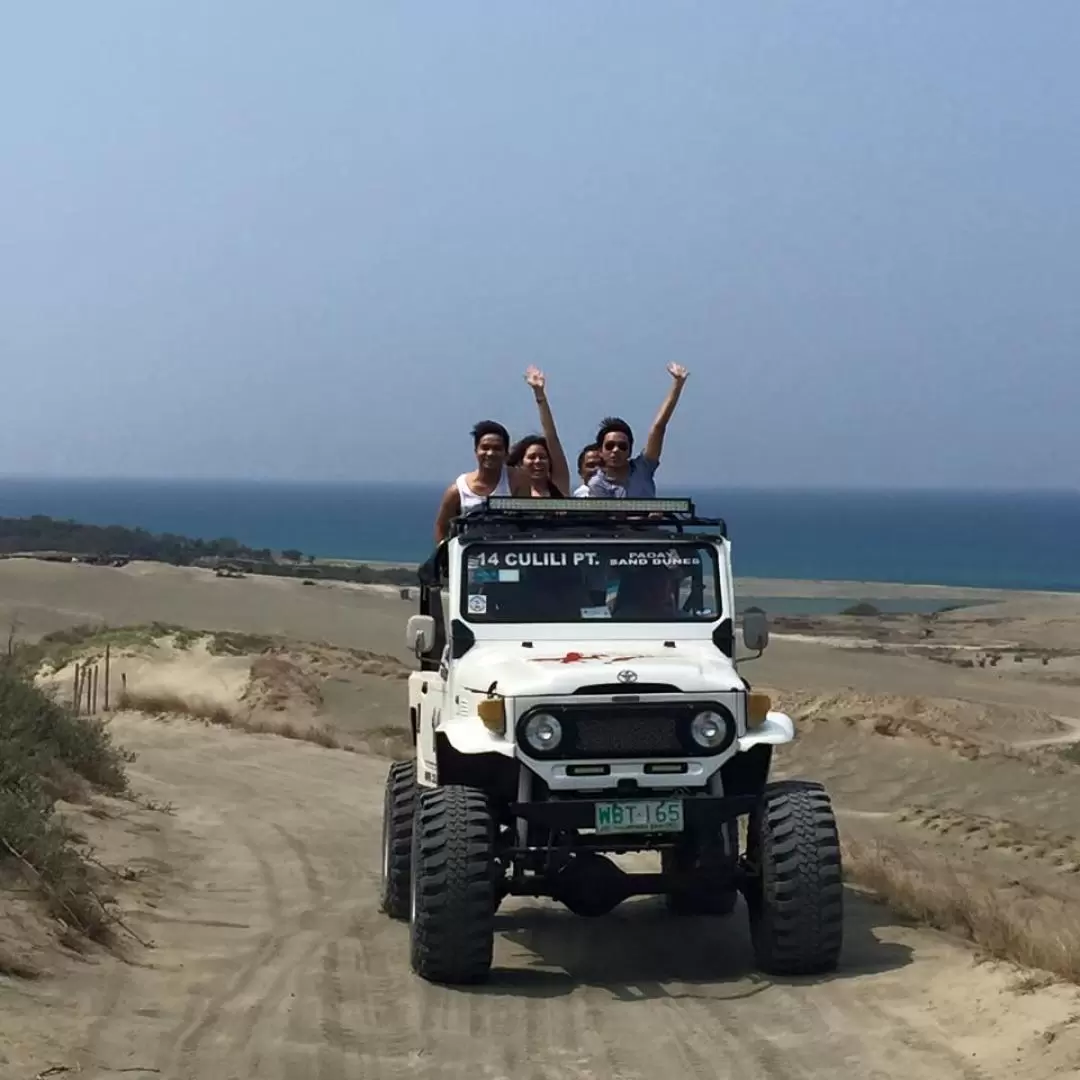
<point x="626" y="735"/>
<point x="611" y="730"/>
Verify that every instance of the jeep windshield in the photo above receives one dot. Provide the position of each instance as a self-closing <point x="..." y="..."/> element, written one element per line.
<point x="580" y="580"/>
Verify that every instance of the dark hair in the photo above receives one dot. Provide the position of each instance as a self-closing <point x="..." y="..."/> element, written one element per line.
<point x="517" y="454"/>
<point x="490" y="427"/>
<point x="614" y="423"/>
<point x="591" y="448"/>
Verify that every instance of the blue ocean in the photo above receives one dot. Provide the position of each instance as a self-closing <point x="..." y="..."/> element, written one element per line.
<point x="1010" y="541"/>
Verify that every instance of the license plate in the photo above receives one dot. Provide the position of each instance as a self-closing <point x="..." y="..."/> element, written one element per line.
<point x="639" y="815"/>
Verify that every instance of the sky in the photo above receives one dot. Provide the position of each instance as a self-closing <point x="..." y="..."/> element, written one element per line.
<point x="270" y="239"/>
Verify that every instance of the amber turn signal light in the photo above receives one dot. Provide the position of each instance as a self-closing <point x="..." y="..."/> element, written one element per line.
<point x="757" y="707"/>
<point x="492" y="711"/>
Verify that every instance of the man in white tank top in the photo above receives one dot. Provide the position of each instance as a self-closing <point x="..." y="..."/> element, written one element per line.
<point x="467" y="496"/>
<point x="492" y="476"/>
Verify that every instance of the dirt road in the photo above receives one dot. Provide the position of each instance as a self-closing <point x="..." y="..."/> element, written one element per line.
<point x="270" y="961"/>
<point x="1070" y="734"/>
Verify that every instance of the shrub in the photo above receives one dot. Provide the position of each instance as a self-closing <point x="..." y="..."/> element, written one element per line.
<point x="46" y="753"/>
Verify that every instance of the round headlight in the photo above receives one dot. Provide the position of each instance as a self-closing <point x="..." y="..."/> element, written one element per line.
<point x="543" y="733"/>
<point x="708" y="729"/>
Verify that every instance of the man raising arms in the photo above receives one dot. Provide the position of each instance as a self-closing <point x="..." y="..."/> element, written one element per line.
<point x="622" y="476"/>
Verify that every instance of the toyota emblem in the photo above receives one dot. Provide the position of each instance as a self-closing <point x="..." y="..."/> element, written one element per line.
<point x="627" y="676"/>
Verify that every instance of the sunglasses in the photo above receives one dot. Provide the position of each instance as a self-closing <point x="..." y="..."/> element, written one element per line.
<point x="617" y="445"/>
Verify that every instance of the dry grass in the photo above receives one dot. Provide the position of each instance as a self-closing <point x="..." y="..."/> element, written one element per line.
<point x="46" y="754"/>
<point x="388" y="740"/>
<point x="173" y="705"/>
<point x="279" y="683"/>
<point x="1011" y="921"/>
<point x="235" y="643"/>
<point x="57" y="649"/>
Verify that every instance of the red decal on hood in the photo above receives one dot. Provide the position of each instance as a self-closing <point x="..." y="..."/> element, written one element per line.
<point x="569" y="658"/>
<point x="574" y="657"/>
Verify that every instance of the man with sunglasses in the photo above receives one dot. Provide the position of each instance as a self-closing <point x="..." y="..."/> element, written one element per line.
<point x="622" y="476"/>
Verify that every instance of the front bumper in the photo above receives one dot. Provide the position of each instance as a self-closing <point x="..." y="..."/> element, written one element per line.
<point x="700" y="812"/>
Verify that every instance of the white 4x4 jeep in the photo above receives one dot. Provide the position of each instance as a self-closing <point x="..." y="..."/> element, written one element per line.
<point x="585" y="702"/>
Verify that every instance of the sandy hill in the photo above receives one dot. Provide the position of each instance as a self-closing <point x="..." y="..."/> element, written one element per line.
<point x="240" y="870"/>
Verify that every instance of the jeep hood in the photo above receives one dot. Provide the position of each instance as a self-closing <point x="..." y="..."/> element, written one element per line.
<point x="553" y="668"/>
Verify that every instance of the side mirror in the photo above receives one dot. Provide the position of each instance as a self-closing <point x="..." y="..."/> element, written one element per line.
<point x="755" y="629"/>
<point x="420" y="634"/>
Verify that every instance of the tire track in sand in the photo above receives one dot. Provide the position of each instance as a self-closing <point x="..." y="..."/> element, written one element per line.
<point x="299" y="919"/>
<point x="207" y="1010"/>
<point x="312" y="957"/>
<point x="250" y="1040"/>
<point x="104" y="998"/>
<point x="321" y="988"/>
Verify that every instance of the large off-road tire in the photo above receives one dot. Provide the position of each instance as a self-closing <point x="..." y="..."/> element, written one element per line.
<point x="452" y="924"/>
<point x="795" y="891"/>
<point x="399" y="805"/>
<point x="714" y="891"/>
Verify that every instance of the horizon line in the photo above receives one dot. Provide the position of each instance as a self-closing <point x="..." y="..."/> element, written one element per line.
<point x="777" y="488"/>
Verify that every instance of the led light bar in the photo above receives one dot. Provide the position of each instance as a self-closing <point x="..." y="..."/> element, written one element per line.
<point x="510" y="504"/>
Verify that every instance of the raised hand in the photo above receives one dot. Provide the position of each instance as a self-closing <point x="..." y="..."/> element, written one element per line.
<point x="560" y="468"/>
<point x="535" y="378"/>
<point x="654" y="444"/>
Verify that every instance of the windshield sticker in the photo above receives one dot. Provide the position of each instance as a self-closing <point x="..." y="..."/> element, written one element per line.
<point x="537" y="557"/>
<point x="507" y="575"/>
<point x="654" y="558"/>
<point x="477" y="604"/>
<point x="603" y="612"/>
<point x="483" y="574"/>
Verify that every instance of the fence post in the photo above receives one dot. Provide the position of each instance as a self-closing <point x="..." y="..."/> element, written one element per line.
<point x="94" y="679"/>
<point x="108" y="666"/>
<point x="75" y="690"/>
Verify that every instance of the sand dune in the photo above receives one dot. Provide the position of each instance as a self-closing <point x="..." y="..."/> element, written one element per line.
<point x="40" y="596"/>
<point x="269" y="959"/>
<point x="254" y="891"/>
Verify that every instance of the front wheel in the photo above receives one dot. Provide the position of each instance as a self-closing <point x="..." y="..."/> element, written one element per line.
<point x="399" y="803"/>
<point x="795" y="891"/>
<point x="452" y="921"/>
